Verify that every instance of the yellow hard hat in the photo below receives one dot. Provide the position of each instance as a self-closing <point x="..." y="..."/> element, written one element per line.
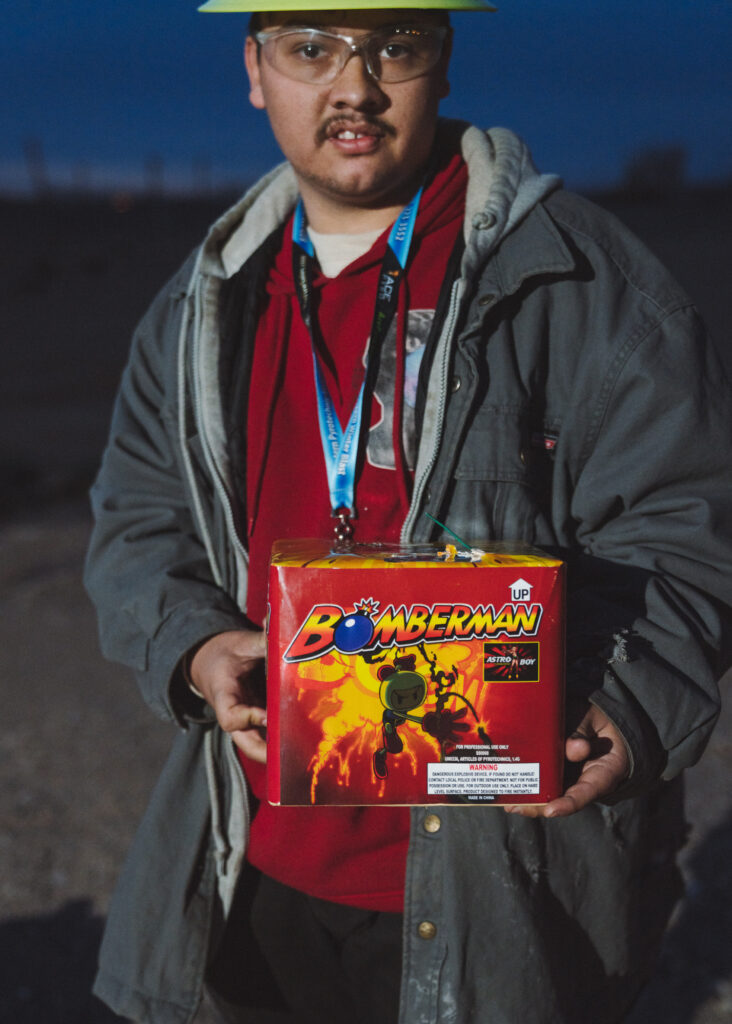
<point x="261" y="6"/>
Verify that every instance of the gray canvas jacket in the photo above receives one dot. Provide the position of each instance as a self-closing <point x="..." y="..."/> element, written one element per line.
<point x="573" y="402"/>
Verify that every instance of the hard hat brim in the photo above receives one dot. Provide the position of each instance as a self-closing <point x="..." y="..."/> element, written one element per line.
<point x="261" y="6"/>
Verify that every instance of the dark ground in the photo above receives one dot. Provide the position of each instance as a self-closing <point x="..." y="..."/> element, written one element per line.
<point x="78" y="751"/>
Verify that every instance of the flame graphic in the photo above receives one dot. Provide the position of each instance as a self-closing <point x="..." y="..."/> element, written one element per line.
<point x="339" y="695"/>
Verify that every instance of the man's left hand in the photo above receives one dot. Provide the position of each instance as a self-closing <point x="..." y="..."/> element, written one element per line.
<point x="598" y="743"/>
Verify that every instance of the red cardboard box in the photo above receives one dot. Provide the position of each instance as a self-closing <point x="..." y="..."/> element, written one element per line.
<point x="414" y="675"/>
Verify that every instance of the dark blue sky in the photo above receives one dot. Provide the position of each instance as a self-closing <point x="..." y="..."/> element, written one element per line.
<point x="107" y="83"/>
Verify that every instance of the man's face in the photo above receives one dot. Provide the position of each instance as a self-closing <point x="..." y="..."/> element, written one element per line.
<point x="354" y="141"/>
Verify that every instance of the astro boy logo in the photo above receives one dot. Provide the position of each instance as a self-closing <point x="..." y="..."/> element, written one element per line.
<point x="506" y="663"/>
<point x="328" y="626"/>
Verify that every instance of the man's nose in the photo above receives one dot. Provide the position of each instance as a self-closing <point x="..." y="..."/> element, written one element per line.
<point x="355" y="87"/>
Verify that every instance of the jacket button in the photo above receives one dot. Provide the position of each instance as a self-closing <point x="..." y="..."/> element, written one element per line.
<point x="427" y="930"/>
<point x="432" y="823"/>
<point x="455" y="384"/>
<point x="523" y="456"/>
<point x="487" y="299"/>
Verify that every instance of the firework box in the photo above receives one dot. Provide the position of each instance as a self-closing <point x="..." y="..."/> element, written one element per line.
<point x="413" y="675"/>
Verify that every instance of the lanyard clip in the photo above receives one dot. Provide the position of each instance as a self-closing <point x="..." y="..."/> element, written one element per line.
<point x="343" y="529"/>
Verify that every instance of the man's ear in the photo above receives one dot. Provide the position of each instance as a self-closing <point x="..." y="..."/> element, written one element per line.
<point x="251" y="62"/>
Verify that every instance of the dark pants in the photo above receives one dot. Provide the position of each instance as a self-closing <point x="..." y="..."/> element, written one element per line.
<point x="288" y="958"/>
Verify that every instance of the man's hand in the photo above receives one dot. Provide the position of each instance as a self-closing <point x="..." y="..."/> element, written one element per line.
<point x="228" y="670"/>
<point x="598" y="743"/>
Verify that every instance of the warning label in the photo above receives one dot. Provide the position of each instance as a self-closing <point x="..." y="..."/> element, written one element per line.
<point x="483" y="778"/>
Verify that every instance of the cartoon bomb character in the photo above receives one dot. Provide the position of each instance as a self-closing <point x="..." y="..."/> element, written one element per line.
<point x="401" y="692"/>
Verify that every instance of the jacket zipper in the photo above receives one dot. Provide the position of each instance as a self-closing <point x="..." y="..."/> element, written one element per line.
<point x="441" y="401"/>
<point x="215" y="470"/>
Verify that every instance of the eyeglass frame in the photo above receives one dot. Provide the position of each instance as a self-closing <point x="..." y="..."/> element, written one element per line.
<point x="356" y="46"/>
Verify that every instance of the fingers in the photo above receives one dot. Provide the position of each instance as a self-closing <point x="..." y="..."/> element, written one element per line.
<point x="226" y="654"/>
<point x="246" y="724"/>
<point x="252" y="743"/>
<point x="228" y="670"/>
<point x="525" y="810"/>
<point x="577" y="748"/>
<point x="599" y="778"/>
<point x="255" y="643"/>
<point x="233" y="714"/>
<point x="598" y="743"/>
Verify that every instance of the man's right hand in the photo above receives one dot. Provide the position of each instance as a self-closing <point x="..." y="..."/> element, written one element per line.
<point x="225" y="669"/>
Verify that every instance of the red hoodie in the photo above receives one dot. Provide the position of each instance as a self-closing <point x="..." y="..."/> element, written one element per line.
<point x="348" y="855"/>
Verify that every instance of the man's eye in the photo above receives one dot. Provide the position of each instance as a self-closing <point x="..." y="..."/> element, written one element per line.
<point x="309" y="52"/>
<point x="395" y="51"/>
<point x="306" y="47"/>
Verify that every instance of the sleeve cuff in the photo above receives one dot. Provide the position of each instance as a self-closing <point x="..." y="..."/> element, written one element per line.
<point x="645" y="753"/>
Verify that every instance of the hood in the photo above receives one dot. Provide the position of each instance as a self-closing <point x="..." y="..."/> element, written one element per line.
<point x="503" y="187"/>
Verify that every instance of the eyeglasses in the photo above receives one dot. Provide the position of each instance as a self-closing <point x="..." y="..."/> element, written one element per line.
<point x="393" y="54"/>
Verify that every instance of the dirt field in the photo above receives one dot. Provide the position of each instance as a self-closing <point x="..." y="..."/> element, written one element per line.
<point x="78" y="751"/>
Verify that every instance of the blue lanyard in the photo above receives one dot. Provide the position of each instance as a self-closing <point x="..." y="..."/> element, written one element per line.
<point x="341" y="447"/>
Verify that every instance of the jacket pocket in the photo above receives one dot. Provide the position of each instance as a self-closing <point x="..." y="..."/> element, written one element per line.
<point x="502" y="481"/>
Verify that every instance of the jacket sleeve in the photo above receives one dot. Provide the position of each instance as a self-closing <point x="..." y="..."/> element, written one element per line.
<point x="653" y="509"/>
<point x="147" y="570"/>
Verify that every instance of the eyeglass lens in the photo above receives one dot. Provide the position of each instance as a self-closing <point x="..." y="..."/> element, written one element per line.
<point x="394" y="55"/>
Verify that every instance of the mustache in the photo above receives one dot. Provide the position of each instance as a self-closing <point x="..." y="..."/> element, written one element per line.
<point x="339" y="121"/>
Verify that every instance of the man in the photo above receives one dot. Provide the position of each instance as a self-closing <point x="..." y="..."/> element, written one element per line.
<point x="533" y="375"/>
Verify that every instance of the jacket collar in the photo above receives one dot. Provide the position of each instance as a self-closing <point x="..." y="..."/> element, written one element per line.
<point x="237" y="235"/>
<point x="537" y="248"/>
<point x="505" y="192"/>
